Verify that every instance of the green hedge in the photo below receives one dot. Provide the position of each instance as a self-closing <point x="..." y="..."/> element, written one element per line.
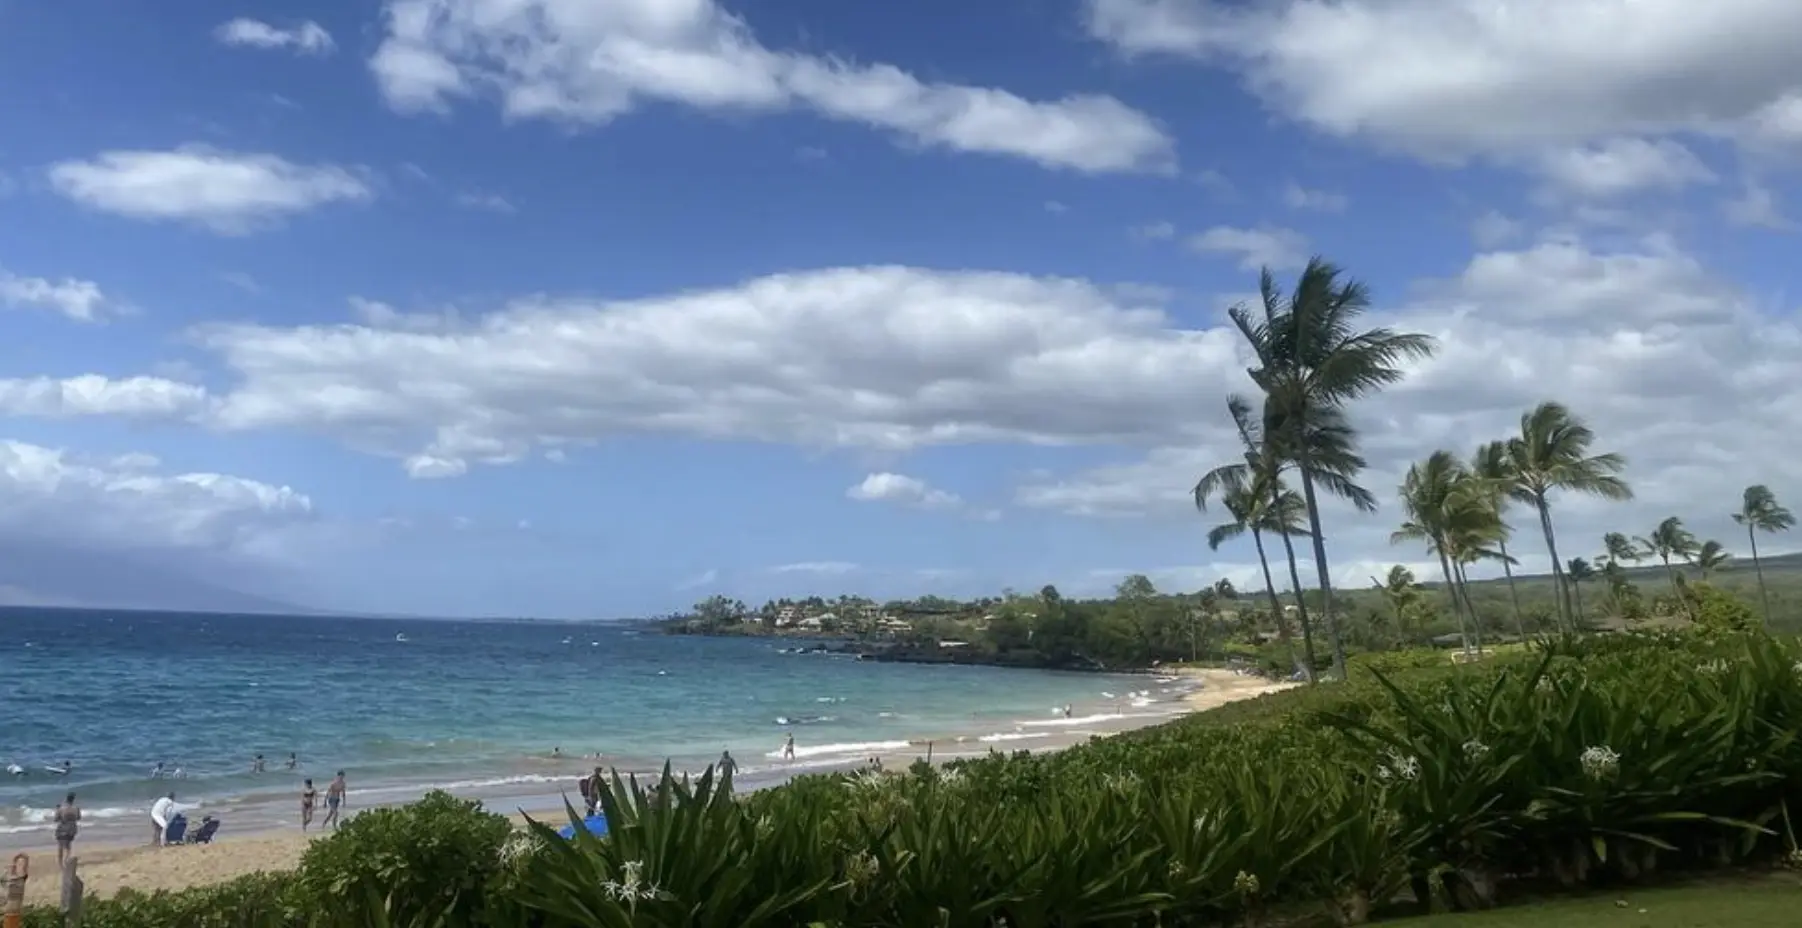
<point x="1596" y="760"/>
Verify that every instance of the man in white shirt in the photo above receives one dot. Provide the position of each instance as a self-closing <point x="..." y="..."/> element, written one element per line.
<point x="160" y="813"/>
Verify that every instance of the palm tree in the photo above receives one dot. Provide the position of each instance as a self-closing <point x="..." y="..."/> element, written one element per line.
<point x="1759" y="511"/>
<point x="1437" y="501"/>
<point x="1400" y="589"/>
<point x="1710" y="557"/>
<point x="1617" y="547"/>
<point x="1552" y="453"/>
<point x="1491" y="466"/>
<point x="1670" y="539"/>
<point x="1579" y="572"/>
<point x="1311" y="362"/>
<point x="1254" y="510"/>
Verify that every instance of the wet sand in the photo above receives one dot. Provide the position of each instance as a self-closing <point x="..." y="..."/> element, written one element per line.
<point x="106" y="869"/>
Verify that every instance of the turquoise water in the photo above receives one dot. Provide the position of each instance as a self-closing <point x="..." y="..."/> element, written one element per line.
<point x="405" y="705"/>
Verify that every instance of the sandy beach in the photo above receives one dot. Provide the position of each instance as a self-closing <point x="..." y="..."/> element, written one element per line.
<point x="106" y="869"/>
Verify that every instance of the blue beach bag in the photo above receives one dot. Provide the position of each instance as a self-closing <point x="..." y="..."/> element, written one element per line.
<point x="595" y="824"/>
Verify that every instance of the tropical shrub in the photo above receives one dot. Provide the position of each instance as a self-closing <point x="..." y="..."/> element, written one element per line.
<point x="429" y="862"/>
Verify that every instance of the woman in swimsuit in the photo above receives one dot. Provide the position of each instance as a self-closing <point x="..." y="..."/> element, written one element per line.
<point x="308" y="796"/>
<point x="68" y="822"/>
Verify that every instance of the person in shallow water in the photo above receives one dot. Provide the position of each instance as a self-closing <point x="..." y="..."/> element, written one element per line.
<point x="788" y="747"/>
<point x="293" y="761"/>
<point x="257" y="765"/>
<point x="308" y="798"/>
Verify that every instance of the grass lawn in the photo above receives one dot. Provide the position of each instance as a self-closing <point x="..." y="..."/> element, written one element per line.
<point x="1748" y="902"/>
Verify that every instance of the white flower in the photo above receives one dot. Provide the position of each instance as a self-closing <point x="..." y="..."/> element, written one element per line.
<point x="1201" y="824"/>
<point x="1599" y="762"/>
<point x="1246" y="884"/>
<point x="1402" y="767"/>
<point x="1797" y="668"/>
<point x="1475" y="750"/>
<point x="1545" y="685"/>
<point x="862" y="868"/>
<point x="520" y="846"/>
<point x="1446" y="707"/>
<point x="631" y="888"/>
<point x="1715" y="667"/>
<point x="1122" y="783"/>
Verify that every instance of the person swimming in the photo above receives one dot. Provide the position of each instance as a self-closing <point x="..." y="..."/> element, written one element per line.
<point x="62" y="771"/>
<point x="15" y="770"/>
<point x="158" y="772"/>
<point x="293" y="761"/>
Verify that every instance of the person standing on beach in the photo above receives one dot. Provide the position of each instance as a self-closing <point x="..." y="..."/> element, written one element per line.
<point x="788" y="747"/>
<point x="334" y="797"/>
<point x="590" y="788"/>
<point x="160" y="813"/>
<point x="728" y="766"/>
<point x="308" y="796"/>
<point x="68" y="821"/>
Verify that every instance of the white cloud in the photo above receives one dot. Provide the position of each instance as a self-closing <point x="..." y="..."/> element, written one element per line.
<point x="227" y="192"/>
<point x="1696" y="383"/>
<point x="1493" y="228"/>
<point x="306" y="37"/>
<point x="94" y="395"/>
<point x="1277" y="249"/>
<point x="129" y="504"/>
<point x="1622" y="166"/>
<point x="1757" y="206"/>
<point x="880" y="358"/>
<point x="703" y="579"/>
<point x="1299" y="197"/>
<point x="816" y="567"/>
<point x="80" y="300"/>
<point x="1155" y="232"/>
<point x="1452" y="77"/>
<point x="492" y="202"/>
<point x="587" y="62"/>
<point x="899" y="488"/>
<point x="1054" y="207"/>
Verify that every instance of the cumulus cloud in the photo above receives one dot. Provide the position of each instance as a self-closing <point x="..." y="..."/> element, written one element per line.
<point x="899" y="488"/>
<point x="227" y="192"/>
<point x="80" y="300"/>
<point x="877" y="358"/>
<point x="1275" y="248"/>
<point x="129" y="503"/>
<point x="306" y="37"/>
<point x="96" y="395"/>
<point x="1295" y="196"/>
<point x="1447" y="78"/>
<point x="588" y="62"/>
<point x="1622" y="166"/>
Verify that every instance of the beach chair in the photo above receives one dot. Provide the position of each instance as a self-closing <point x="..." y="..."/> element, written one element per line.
<point x="175" y="830"/>
<point x="209" y="826"/>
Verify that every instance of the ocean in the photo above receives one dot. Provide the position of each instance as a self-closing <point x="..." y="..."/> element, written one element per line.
<point x="480" y="708"/>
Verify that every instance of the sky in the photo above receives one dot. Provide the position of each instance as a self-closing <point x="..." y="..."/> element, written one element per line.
<point x="589" y="308"/>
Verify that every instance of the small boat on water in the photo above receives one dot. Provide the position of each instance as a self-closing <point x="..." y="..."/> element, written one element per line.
<point x="400" y="636"/>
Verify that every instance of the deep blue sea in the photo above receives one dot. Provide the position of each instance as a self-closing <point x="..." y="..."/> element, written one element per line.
<point x="478" y="707"/>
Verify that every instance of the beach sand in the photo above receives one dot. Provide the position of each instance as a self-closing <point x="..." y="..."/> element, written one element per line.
<point x="108" y="869"/>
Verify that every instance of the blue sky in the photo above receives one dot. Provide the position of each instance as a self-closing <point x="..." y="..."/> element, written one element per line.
<point x="547" y="307"/>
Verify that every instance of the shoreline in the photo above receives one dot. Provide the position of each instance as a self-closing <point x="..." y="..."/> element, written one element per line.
<point x="114" y="856"/>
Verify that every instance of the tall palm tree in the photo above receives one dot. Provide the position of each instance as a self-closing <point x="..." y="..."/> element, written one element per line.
<point x="1552" y="454"/>
<point x="1579" y="572"/>
<point x="1312" y="361"/>
<point x="1759" y="511"/>
<point x="1437" y="500"/>
<point x="1617" y="547"/>
<point x="1258" y="504"/>
<point x="1712" y="556"/>
<point x="1670" y="539"/>
<point x="1491" y="466"/>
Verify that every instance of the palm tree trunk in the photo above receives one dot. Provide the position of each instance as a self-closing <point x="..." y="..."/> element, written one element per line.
<point x="1576" y="589"/>
<point x="1320" y="567"/>
<point x="1565" y="623"/>
<point x="1520" y="624"/>
<point x="1276" y="605"/>
<point x="1470" y="608"/>
<point x="1758" y="568"/>
<point x="1670" y="574"/>
<point x="1301" y="610"/>
<point x="1451" y="589"/>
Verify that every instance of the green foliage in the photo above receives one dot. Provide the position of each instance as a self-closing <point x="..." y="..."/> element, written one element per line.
<point x="1720" y="610"/>
<point x="429" y="860"/>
